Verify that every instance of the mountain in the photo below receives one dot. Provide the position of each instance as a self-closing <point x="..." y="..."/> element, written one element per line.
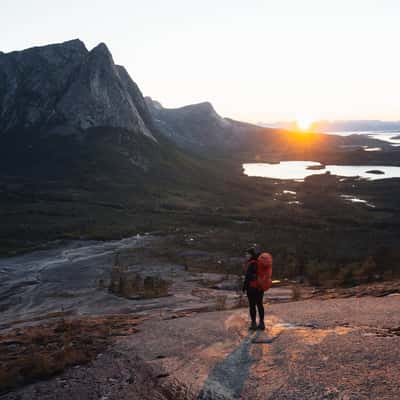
<point x="196" y="126"/>
<point x="199" y="128"/>
<point x="66" y="113"/>
<point x="64" y="88"/>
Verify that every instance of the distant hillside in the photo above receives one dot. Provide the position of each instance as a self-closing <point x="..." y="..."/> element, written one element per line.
<point x="198" y="127"/>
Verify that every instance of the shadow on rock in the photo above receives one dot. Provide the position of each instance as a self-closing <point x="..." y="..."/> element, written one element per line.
<point x="227" y="379"/>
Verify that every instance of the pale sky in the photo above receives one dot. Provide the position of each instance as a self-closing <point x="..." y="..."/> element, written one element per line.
<point x="254" y="60"/>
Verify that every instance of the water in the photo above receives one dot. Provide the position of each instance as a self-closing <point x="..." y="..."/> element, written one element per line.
<point x="354" y="199"/>
<point x="297" y="170"/>
<point x="386" y="136"/>
<point x="373" y="148"/>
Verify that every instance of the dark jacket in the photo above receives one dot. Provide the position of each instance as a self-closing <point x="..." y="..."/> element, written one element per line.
<point x="251" y="273"/>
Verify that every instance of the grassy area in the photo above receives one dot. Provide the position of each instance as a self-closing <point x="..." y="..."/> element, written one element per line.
<point x="43" y="351"/>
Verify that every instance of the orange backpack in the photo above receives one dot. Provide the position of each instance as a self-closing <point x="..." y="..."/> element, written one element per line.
<point x="264" y="271"/>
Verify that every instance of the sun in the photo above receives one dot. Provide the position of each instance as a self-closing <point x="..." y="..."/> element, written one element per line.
<point x="304" y="123"/>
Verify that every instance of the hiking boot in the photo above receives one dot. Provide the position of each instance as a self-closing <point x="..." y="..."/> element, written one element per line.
<point x="261" y="326"/>
<point x="253" y="326"/>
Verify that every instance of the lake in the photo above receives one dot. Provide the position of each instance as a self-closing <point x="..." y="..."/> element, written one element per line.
<point x="298" y="170"/>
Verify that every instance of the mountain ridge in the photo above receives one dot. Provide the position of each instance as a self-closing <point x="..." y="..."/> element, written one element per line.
<point x="65" y="88"/>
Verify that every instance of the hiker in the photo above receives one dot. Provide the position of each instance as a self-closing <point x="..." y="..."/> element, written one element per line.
<point x="256" y="282"/>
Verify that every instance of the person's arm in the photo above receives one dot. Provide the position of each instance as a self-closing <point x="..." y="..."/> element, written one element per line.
<point x="251" y="275"/>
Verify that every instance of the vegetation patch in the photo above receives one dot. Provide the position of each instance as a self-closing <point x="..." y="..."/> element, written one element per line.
<point x="42" y="351"/>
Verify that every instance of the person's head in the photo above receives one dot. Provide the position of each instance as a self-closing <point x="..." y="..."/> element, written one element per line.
<point x="251" y="252"/>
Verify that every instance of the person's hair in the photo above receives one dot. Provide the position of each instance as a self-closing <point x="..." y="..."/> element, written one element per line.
<point x="252" y="251"/>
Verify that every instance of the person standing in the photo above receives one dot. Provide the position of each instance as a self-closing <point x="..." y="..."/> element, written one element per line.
<point x="257" y="281"/>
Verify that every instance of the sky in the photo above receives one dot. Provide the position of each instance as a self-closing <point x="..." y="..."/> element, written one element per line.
<point x="254" y="60"/>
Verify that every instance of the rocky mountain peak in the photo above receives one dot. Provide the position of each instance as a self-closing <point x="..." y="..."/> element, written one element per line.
<point x="195" y="127"/>
<point x="76" y="44"/>
<point x="50" y="52"/>
<point x="101" y="50"/>
<point x="204" y="106"/>
<point x="203" y="110"/>
<point x="65" y="88"/>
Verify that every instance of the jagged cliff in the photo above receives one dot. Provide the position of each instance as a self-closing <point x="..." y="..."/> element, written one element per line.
<point x="64" y="88"/>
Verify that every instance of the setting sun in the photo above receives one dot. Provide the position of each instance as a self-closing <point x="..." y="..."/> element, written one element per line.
<point x="304" y="123"/>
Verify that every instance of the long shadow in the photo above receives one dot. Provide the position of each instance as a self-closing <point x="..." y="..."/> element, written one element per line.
<point x="228" y="377"/>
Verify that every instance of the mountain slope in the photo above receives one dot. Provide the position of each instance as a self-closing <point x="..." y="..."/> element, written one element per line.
<point x="199" y="129"/>
<point x="65" y="88"/>
<point x="193" y="126"/>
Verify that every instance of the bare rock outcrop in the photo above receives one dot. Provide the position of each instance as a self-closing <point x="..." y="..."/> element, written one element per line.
<point x="65" y="88"/>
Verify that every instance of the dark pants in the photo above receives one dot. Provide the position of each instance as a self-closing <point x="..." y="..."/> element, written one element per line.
<point x="255" y="297"/>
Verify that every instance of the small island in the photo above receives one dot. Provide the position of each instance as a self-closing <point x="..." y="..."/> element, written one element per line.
<point x="316" y="167"/>
<point x="375" y="171"/>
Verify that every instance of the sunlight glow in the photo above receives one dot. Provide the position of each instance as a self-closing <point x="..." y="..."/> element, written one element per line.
<point x="304" y="123"/>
